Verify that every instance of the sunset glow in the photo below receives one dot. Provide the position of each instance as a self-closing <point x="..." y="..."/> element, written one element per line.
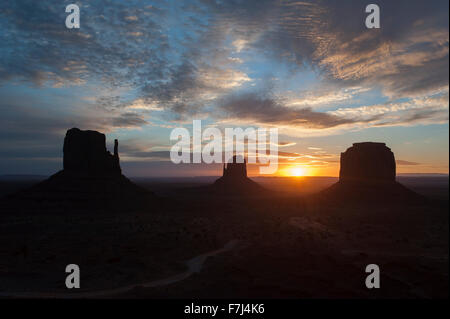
<point x="297" y="171"/>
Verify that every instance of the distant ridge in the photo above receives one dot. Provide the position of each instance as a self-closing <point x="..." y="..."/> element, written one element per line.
<point x="24" y="177"/>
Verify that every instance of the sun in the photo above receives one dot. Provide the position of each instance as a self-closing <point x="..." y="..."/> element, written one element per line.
<point x="297" y="171"/>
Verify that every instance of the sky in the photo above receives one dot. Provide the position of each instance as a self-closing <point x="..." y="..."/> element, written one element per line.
<point x="135" y="70"/>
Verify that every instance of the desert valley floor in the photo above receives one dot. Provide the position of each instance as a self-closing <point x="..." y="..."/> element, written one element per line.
<point x="187" y="242"/>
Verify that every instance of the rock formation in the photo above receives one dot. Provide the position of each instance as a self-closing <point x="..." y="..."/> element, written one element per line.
<point x="85" y="151"/>
<point x="367" y="174"/>
<point x="235" y="181"/>
<point x="236" y="169"/>
<point x="367" y="162"/>
<point x="91" y="176"/>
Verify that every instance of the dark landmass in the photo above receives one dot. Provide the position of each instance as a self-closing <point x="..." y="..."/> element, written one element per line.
<point x="289" y="246"/>
<point x="184" y="242"/>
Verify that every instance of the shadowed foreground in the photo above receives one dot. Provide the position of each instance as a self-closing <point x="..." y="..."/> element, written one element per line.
<point x="290" y="247"/>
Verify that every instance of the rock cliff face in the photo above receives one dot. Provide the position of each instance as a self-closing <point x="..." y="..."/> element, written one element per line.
<point x="367" y="175"/>
<point x="234" y="180"/>
<point x="367" y="162"/>
<point x="91" y="177"/>
<point x="236" y="169"/>
<point x="85" y="151"/>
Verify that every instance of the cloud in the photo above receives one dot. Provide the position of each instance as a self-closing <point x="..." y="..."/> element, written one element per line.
<point x="191" y="88"/>
<point x="132" y="18"/>
<point x="253" y="107"/>
<point x="403" y="162"/>
<point x="427" y="110"/>
<point x="324" y="97"/>
<point x="407" y="56"/>
<point x="186" y="72"/>
<point x="286" y="144"/>
<point x="263" y="110"/>
<point x="134" y="153"/>
<point x="42" y="50"/>
<point x="306" y="31"/>
<point x="198" y="61"/>
<point x="35" y="128"/>
<point x="128" y="120"/>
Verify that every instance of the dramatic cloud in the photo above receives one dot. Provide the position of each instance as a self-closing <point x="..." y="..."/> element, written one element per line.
<point x="39" y="48"/>
<point x="407" y="55"/>
<point x="303" y="66"/>
<point x="132" y="45"/>
<point x="429" y="110"/>
<point x="252" y="107"/>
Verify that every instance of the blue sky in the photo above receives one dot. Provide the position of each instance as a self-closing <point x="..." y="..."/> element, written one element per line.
<point x="137" y="69"/>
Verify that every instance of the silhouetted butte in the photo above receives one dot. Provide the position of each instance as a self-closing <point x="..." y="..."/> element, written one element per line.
<point x="91" y="175"/>
<point x="85" y="152"/>
<point x="367" y="174"/>
<point x="234" y="180"/>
